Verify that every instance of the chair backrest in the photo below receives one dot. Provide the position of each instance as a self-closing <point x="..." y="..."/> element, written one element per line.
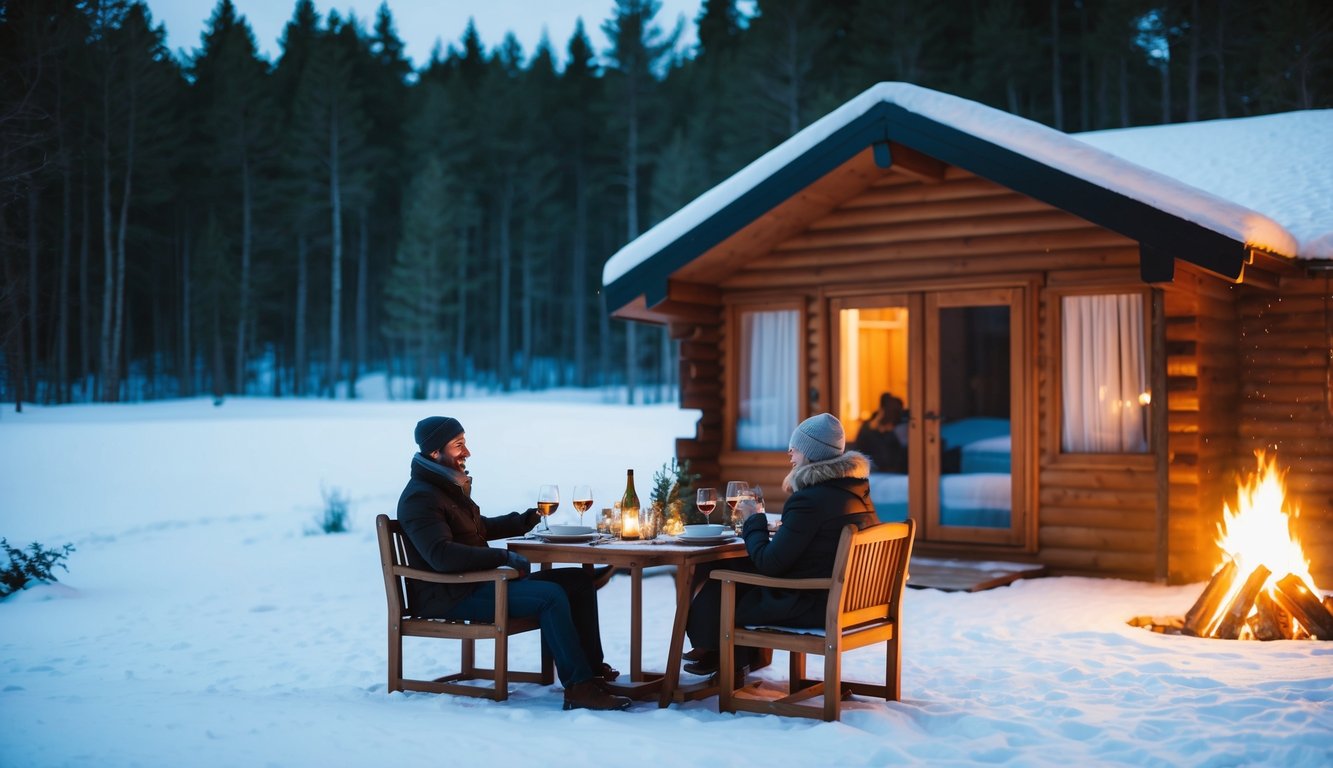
<point x="393" y="556"/>
<point x="869" y="574"/>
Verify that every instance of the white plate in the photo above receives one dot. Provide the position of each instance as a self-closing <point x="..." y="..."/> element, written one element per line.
<point x="566" y="530"/>
<point x="556" y="538"/>
<point x="705" y="541"/>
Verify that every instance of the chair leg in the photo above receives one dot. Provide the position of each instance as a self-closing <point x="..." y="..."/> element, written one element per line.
<point x="832" y="684"/>
<point x="726" y="668"/>
<point x="469" y="661"/>
<point x="893" y="669"/>
<point x="795" y="671"/>
<point x="395" y="682"/>
<point x="501" y="666"/>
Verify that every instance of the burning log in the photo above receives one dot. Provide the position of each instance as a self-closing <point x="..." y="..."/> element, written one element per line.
<point x="1295" y="597"/>
<point x="1199" y="616"/>
<point x="1239" y="609"/>
<point x="1269" y="622"/>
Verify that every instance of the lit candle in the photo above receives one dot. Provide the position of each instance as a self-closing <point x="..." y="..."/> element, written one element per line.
<point x="629" y="523"/>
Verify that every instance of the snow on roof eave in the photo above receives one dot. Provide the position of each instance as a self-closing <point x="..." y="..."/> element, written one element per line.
<point x="1035" y="144"/>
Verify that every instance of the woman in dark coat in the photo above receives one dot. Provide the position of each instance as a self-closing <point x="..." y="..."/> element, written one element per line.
<point x="830" y="489"/>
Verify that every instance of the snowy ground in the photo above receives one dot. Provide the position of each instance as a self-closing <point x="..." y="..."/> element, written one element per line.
<point x="199" y="624"/>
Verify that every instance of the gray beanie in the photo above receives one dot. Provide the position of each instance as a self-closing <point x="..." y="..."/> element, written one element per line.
<point x="819" y="438"/>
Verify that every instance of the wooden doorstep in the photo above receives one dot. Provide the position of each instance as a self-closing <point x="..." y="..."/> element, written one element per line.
<point x="967" y="575"/>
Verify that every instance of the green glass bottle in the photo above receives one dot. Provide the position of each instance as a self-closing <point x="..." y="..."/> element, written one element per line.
<point x="629" y="509"/>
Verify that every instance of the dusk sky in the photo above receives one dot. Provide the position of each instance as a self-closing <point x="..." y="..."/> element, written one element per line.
<point x="421" y="23"/>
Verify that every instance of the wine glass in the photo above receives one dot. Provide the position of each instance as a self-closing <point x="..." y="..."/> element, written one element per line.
<point x="582" y="500"/>
<point x="548" y="499"/>
<point x="736" y="490"/>
<point x="743" y="497"/>
<point x="706" y="500"/>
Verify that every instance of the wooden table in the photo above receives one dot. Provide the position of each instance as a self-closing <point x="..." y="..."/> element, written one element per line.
<point x="635" y="556"/>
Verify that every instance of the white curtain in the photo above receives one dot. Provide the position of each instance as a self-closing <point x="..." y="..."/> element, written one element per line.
<point x="1105" y="377"/>
<point x="769" y="345"/>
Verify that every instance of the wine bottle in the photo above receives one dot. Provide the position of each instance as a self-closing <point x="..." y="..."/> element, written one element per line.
<point x="629" y="508"/>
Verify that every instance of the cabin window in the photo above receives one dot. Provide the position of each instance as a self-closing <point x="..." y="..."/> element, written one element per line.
<point x="768" y="378"/>
<point x="1104" y="376"/>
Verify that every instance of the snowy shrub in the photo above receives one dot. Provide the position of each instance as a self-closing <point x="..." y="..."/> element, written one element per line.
<point x="334" y="517"/>
<point x="32" y="564"/>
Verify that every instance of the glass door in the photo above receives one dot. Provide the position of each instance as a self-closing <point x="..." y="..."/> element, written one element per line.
<point x="931" y="385"/>
<point x="973" y="398"/>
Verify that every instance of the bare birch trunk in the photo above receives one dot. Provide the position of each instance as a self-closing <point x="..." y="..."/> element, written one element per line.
<point x="1220" y="57"/>
<point x="632" y="231"/>
<point x="1166" y="91"/>
<point x="302" y="279"/>
<point x="62" y="295"/>
<point x="243" y="313"/>
<point x="793" y="76"/>
<point x="11" y="335"/>
<point x="529" y="298"/>
<point x="460" y="280"/>
<point x="1084" y="90"/>
<point x="506" y="219"/>
<point x="335" y="260"/>
<point x="85" y="291"/>
<point x="187" y="302"/>
<point x="1057" y="86"/>
<point x="118" y="328"/>
<point x="1124" y="92"/>
<point x="108" y="254"/>
<point x="362" y="277"/>
<point x="34" y="247"/>
<point x="579" y="278"/>
<point x="1192" y="73"/>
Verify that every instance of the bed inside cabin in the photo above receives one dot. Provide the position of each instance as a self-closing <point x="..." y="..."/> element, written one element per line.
<point x="975" y="482"/>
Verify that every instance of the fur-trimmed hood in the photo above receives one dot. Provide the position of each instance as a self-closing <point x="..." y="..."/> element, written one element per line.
<point x="849" y="464"/>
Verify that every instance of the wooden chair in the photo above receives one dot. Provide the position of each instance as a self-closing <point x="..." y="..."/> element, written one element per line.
<point x="864" y="607"/>
<point x="402" y="622"/>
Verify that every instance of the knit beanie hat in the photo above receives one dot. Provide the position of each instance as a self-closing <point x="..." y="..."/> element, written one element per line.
<point x="434" y="432"/>
<point x="819" y="438"/>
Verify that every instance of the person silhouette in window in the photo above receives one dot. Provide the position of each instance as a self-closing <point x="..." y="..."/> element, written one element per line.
<point x="879" y="439"/>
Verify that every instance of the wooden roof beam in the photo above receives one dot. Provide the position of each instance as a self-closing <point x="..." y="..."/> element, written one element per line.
<point x="1263" y="269"/>
<point x="909" y="162"/>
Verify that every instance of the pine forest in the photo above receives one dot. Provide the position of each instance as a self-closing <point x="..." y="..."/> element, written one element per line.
<point x="215" y="223"/>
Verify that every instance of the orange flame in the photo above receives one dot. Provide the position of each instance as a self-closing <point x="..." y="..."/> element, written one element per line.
<point x="1259" y="532"/>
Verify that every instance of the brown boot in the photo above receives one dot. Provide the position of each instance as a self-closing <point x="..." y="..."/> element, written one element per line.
<point x="589" y="695"/>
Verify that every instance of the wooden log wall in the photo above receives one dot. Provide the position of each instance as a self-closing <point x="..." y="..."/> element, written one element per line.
<point x="1286" y="355"/>
<point x="1202" y="385"/>
<point x="701" y="387"/>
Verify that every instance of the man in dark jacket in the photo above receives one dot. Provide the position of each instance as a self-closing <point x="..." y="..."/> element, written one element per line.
<point x="446" y="533"/>
<point x="830" y="489"/>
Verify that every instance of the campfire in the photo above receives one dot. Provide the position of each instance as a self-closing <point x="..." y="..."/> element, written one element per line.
<point x="1262" y="588"/>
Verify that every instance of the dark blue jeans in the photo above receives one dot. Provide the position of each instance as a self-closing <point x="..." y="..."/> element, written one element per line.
<point x="565" y="604"/>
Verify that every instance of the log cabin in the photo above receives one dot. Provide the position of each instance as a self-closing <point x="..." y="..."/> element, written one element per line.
<point x="1090" y="335"/>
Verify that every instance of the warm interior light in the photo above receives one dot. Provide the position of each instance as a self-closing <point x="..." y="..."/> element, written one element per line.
<point x="1258" y="533"/>
<point x="629" y="523"/>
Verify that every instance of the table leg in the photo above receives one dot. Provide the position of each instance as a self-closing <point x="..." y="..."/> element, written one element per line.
<point x="671" y="676"/>
<point x="636" y="624"/>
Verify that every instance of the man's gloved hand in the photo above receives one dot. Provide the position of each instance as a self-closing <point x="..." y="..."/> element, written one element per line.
<point x="519" y="563"/>
<point x="531" y="518"/>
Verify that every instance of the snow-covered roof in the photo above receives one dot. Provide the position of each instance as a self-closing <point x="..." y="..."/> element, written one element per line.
<point x="1263" y="182"/>
<point x="1278" y="166"/>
